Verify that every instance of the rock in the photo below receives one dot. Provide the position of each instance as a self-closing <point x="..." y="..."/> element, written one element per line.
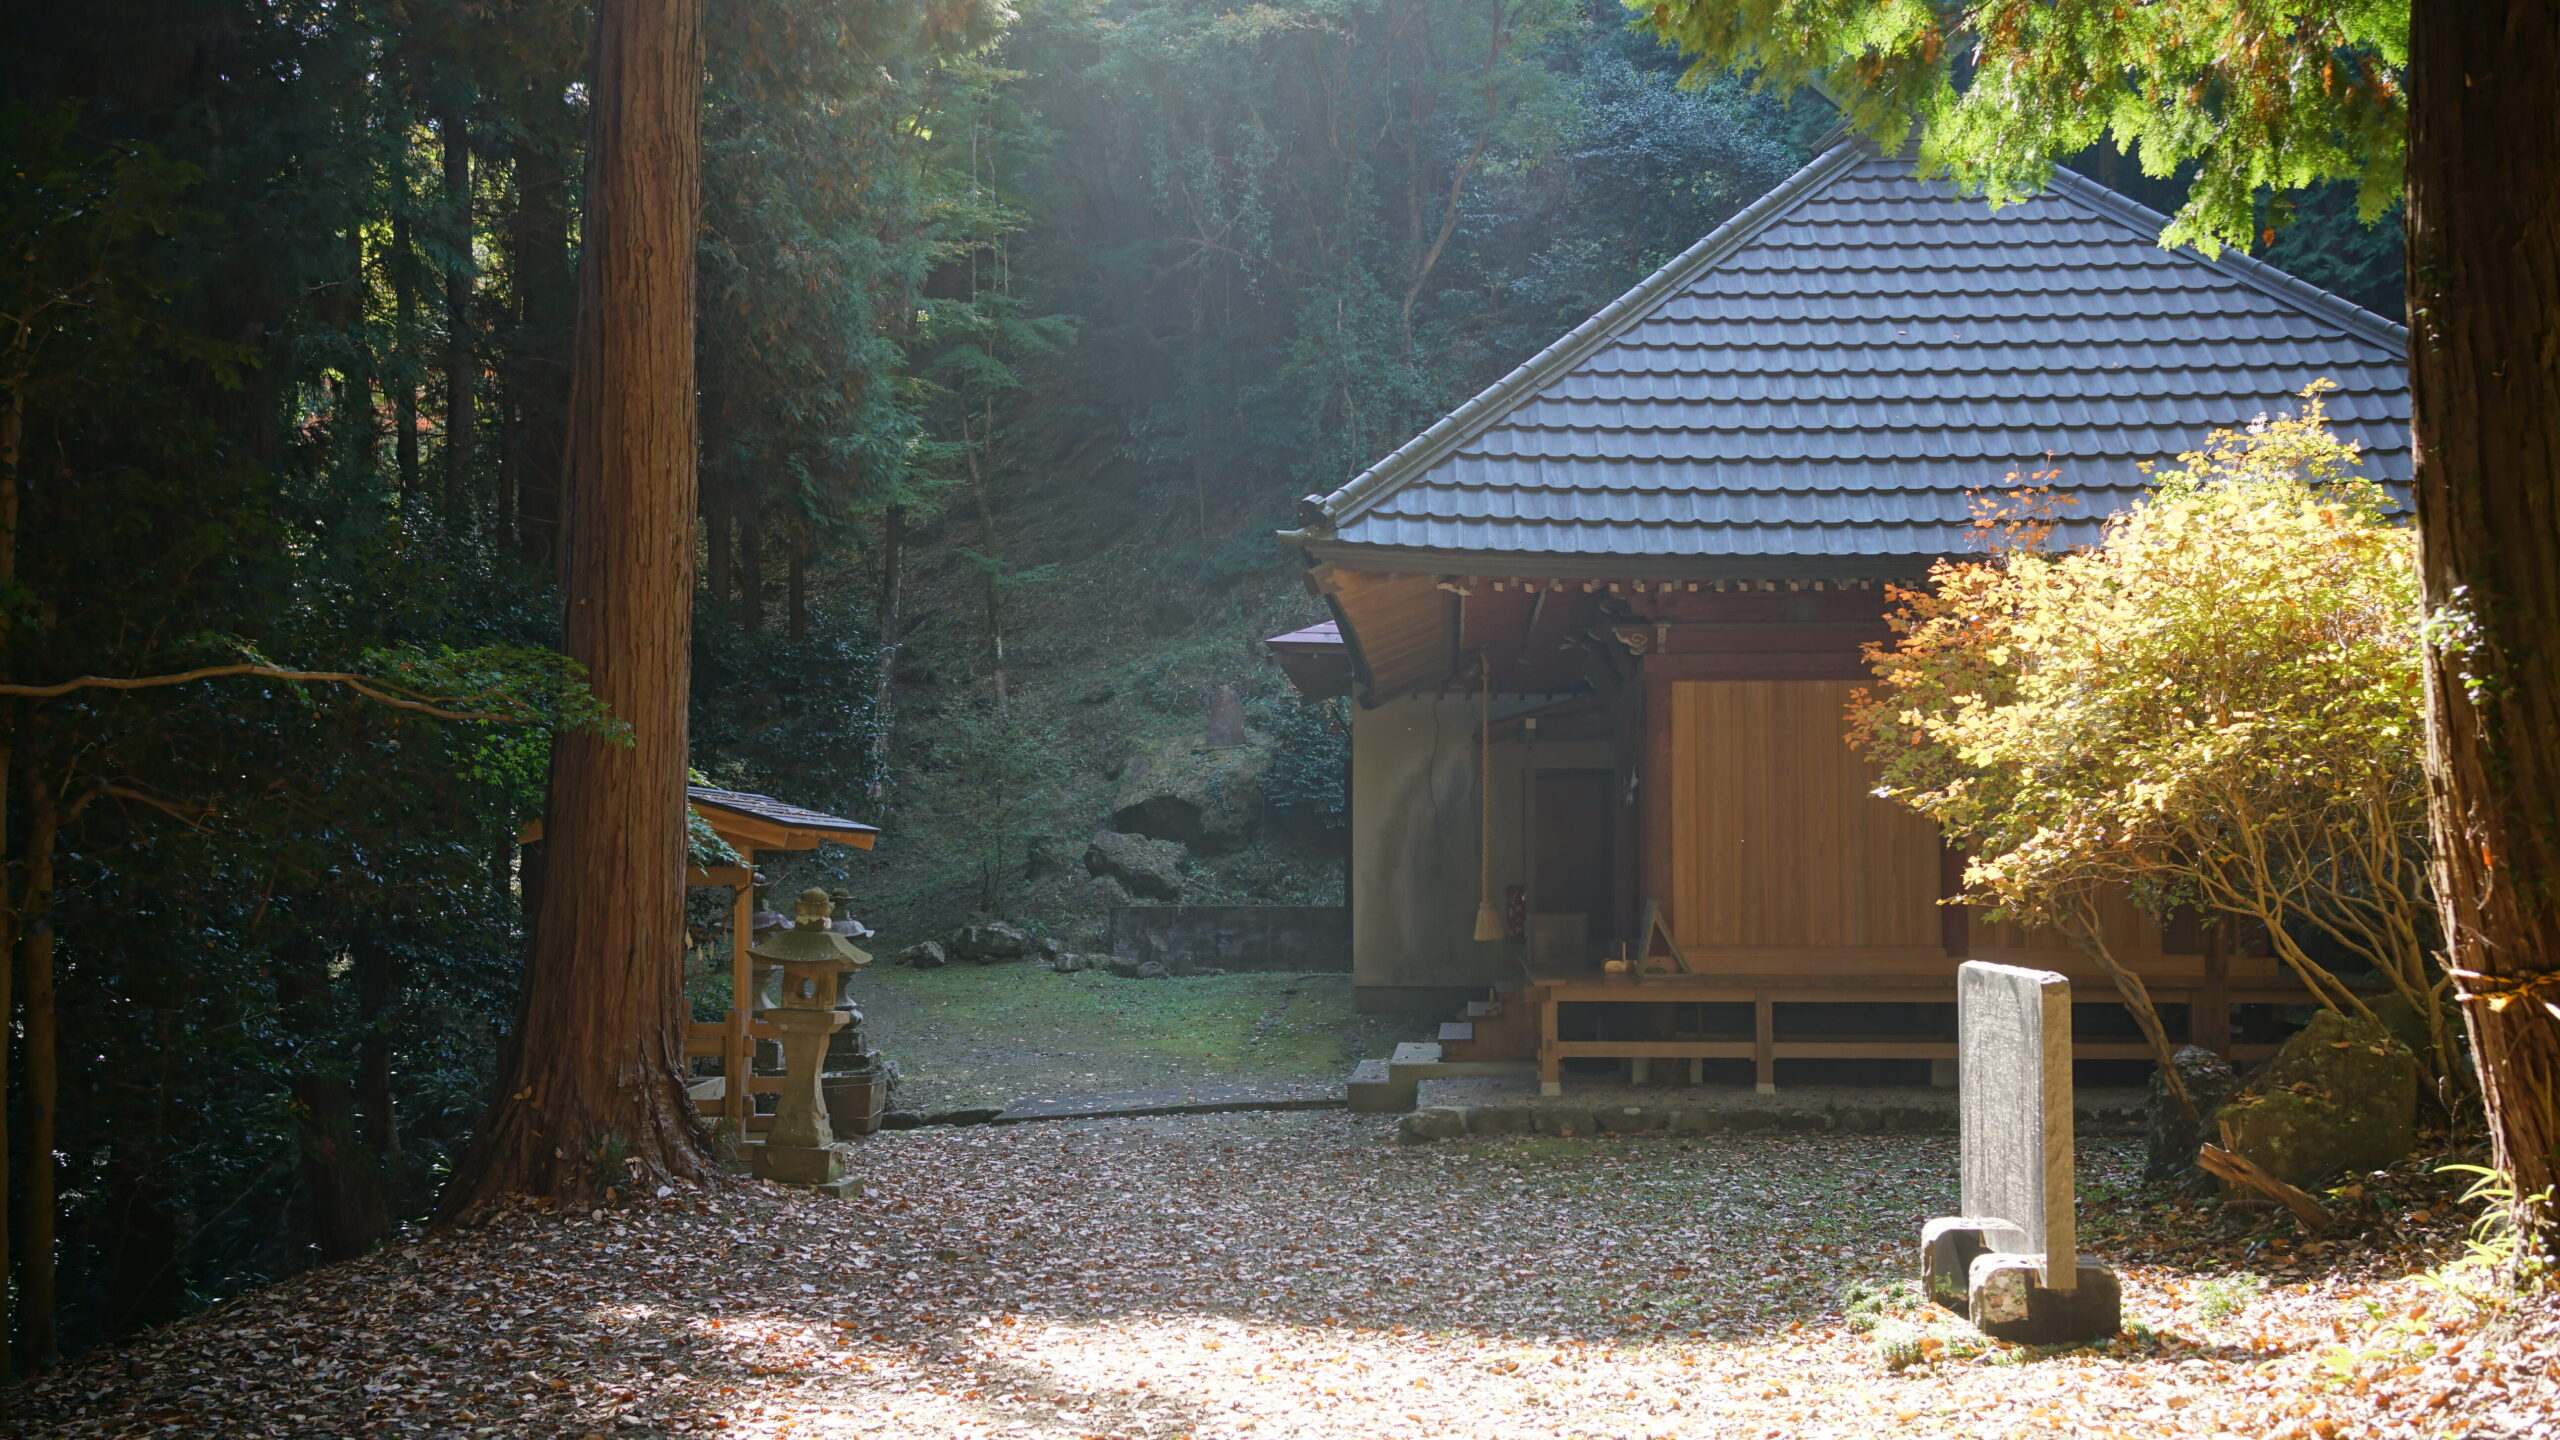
<point x="2406" y="1025"/>
<point x="1150" y="970"/>
<point x="1432" y="1122"/>
<point x="2340" y="1095"/>
<point x="1044" y="950"/>
<point x="1208" y="797"/>
<point x="902" y="1120"/>
<point x="925" y="955"/>
<point x="1069" y="963"/>
<point x="990" y="944"/>
<point x="1560" y="1121"/>
<point x="1499" y="1120"/>
<point x="1151" y="869"/>
<point x="1130" y="968"/>
<point x="1098" y="695"/>
<point x="1627" y="1120"/>
<point x="2170" y="1139"/>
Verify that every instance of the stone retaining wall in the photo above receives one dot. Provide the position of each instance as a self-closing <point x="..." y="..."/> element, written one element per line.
<point x="1186" y="939"/>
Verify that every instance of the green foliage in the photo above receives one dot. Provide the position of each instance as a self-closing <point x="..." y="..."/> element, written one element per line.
<point x="785" y="717"/>
<point x="1310" y="758"/>
<point x="2216" y="705"/>
<point x="2253" y="98"/>
<point x="2222" y="1299"/>
<point x="995" y="781"/>
<point x="1294" y="233"/>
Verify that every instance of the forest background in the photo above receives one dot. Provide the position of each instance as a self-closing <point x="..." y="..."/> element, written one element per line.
<point x="1020" y="331"/>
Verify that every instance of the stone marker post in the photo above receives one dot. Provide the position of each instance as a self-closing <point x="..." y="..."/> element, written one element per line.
<point x="1226" y="716"/>
<point x="2009" y="1262"/>
<point x="801" y="1148"/>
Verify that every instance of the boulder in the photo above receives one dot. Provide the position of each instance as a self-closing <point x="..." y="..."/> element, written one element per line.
<point x="1130" y="968"/>
<point x="1149" y="869"/>
<point x="1208" y="797"/>
<point x="993" y="943"/>
<point x="2341" y="1095"/>
<point x="1068" y="962"/>
<point x="1432" y="1122"/>
<point x="925" y="955"/>
<point x="2170" y="1139"/>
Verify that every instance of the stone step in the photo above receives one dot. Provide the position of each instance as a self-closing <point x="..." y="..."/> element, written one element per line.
<point x="1417" y="1052"/>
<point x="1375" y="1089"/>
<point x="1452" y="1030"/>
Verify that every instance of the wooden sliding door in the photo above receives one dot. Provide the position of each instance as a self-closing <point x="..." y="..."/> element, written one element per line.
<point x="1777" y="843"/>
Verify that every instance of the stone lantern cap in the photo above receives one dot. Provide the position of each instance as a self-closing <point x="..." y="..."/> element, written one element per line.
<point x="810" y="951"/>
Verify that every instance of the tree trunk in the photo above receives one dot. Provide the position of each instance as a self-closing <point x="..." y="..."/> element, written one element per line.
<point x="349" y="1215"/>
<point x="538" y="242"/>
<point x="377" y="993"/>
<point x="453" y="134"/>
<point x="980" y="454"/>
<point x="2484" y="278"/>
<point x="795" y="590"/>
<point x="893" y="543"/>
<point x="750" y="565"/>
<point x="36" y="1226"/>
<point x="404" y="386"/>
<point x="719" y="544"/>
<point x="591" y="1096"/>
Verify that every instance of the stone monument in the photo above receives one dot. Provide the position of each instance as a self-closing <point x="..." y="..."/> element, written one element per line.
<point x="812" y="962"/>
<point x="2009" y="1262"/>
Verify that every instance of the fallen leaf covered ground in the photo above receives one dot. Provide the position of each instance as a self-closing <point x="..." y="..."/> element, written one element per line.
<point x="1303" y="1275"/>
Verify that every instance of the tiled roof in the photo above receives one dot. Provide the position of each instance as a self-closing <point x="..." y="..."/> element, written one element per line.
<point x="1833" y="370"/>
<point x="765" y="807"/>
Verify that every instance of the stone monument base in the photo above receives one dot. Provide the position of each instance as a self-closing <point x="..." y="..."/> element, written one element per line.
<point x="1948" y="1246"/>
<point x="2007" y="1301"/>
<point x="816" y="1166"/>
<point x="2004" y="1295"/>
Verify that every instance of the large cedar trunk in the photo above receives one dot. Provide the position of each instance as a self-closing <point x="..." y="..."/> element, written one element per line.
<point x="591" y="1096"/>
<point x="2484" y="295"/>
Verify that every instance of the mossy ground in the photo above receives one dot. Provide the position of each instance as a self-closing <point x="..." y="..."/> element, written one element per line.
<point x="1000" y="1034"/>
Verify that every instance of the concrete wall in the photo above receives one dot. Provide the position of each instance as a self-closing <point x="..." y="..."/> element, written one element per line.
<point x="1414" y="845"/>
<point x="1183" y="938"/>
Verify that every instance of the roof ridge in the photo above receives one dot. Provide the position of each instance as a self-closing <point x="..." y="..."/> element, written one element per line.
<point x="2248" y="269"/>
<point x="1574" y="345"/>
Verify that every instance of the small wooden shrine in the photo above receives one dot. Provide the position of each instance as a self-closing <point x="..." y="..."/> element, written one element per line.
<point x="747" y="824"/>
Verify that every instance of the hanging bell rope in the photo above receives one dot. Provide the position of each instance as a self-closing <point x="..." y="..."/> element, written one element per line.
<point x="1488" y="920"/>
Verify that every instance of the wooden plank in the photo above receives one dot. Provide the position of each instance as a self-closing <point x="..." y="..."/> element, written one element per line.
<point x="1776" y="841"/>
<point x="2209" y="1015"/>
<point x="1764" y="1053"/>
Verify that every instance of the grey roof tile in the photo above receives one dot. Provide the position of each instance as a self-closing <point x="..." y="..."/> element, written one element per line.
<point x="1834" y="371"/>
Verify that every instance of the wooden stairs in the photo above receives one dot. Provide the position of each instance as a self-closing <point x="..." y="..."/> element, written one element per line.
<point x="1492" y="1039"/>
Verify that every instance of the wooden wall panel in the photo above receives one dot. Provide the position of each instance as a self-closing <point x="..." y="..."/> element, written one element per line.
<point x="2130" y="932"/>
<point x="1776" y="842"/>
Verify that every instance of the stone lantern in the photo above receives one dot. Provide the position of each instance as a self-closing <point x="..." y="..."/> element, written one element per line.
<point x="813" y="961"/>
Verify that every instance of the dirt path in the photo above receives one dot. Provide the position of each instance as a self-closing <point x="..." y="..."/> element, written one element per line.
<point x="1284" y="1275"/>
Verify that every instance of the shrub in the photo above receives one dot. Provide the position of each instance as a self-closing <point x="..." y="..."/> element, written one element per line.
<point x="2218" y="705"/>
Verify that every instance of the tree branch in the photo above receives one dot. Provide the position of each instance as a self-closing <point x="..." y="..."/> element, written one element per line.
<point x="369" y="688"/>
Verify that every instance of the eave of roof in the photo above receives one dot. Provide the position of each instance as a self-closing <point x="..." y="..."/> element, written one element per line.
<point x="1851" y="537"/>
<point x="1324" y="512"/>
